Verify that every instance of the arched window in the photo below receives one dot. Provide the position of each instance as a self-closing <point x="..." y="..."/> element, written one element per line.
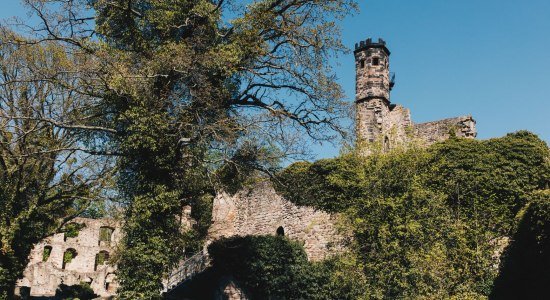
<point x="280" y="231"/>
<point x="101" y="259"/>
<point x="46" y="253"/>
<point x="68" y="256"/>
<point x="105" y="234"/>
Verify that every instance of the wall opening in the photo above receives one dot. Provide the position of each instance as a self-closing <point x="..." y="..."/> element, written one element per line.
<point x="46" y="253"/>
<point x="68" y="256"/>
<point x="105" y="234"/>
<point x="101" y="259"/>
<point x="386" y="144"/>
<point x="362" y="63"/>
<point x="110" y="284"/>
<point x="375" y="61"/>
<point x="280" y="231"/>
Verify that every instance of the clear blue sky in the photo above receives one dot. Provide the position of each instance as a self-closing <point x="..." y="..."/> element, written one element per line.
<point x="488" y="58"/>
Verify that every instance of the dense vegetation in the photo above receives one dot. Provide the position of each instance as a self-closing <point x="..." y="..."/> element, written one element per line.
<point x="275" y="267"/>
<point x="427" y="222"/>
<point x="181" y="95"/>
<point x="178" y="102"/>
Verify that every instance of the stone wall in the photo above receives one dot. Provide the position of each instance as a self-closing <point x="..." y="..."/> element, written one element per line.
<point x="43" y="276"/>
<point x="259" y="210"/>
<point x="437" y="131"/>
<point x="397" y="126"/>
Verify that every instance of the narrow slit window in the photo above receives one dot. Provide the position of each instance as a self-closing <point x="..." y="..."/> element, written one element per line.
<point x="362" y="63"/>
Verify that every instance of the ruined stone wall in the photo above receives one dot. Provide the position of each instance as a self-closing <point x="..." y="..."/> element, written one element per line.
<point x="259" y="210"/>
<point x="437" y="131"/>
<point x="44" y="276"/>
<point x="398" y="126"/>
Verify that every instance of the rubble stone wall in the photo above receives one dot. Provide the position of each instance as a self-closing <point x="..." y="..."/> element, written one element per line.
<point x="259" y="210"/>
<point x="43" y="276"/>
<point x="437" y="131"/>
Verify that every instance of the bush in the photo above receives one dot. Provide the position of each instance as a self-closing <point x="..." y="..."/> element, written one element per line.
<point x="83" y="291"/>
<point x="270" y="267"/>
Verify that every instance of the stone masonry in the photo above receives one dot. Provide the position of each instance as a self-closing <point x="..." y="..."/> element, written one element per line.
<point x="259" y="210"/>
<point x="379" y="121"/>
<point x="256" y="210"/>
<point x="45" y="273"/>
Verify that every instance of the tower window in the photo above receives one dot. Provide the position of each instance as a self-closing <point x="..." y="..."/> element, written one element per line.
<point x="362" y="63"/>
<point x="280" y="231"/>
<point x="375" y="61"/>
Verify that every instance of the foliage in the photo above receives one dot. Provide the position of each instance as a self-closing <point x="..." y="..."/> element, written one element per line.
<point x="186" y="99"/>
<point x="44" y="180"/>
<point x="82" y="291"/>
<point x="101" y="258"/>
<point x="202" y="214"/>
<point x="105" y="234"/>
<point x="526" y="261"/>
<point x="426" y="220"/>
<point x="72" y="230"/>
<point x="275" y="267"/>
<point x="488" y="181"/>
<point x="46" y="253"/>
<point x="329" y="184"/>
<point x="68" y="256"/>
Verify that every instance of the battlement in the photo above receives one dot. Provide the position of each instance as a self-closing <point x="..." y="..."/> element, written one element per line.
<point x="369" y="43"/>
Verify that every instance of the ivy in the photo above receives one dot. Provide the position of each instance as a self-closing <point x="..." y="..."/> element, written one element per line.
<point x="425" y="221"/>
<point x="68" y="256"/>
<point x="46" y="253"/>
<point x="72" y="230"/>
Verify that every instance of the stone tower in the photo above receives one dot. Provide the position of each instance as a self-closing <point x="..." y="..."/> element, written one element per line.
<point x="379" y="121"/>
<point x="372" y="95"/>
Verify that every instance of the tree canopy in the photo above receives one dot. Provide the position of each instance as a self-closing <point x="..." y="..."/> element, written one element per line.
<point x="177" y="91"/>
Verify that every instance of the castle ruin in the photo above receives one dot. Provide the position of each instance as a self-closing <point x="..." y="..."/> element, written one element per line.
<point x="378" y="120"/>
<point x="256" y="210"/>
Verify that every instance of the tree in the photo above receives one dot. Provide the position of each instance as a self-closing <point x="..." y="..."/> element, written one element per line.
<point x="176" y="90"/>
<point x="45" y="178"/>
